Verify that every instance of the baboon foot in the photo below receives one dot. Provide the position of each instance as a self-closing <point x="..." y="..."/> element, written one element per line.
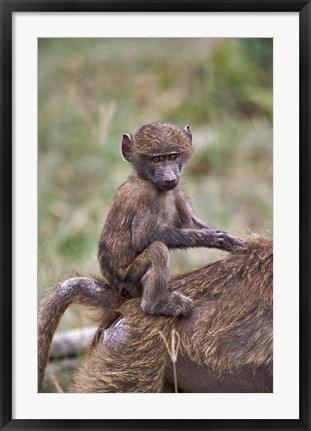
<point x="176" y="304"/>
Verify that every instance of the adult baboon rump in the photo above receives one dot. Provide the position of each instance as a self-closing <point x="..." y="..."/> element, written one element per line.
<point x="226" y="343"/>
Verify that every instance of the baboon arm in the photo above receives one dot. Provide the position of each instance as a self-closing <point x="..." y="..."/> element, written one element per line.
<point x="191" y="221"/>
<point x="144" y="233"/>
<point x="184" y="238"/>
<point x="146" y="229"/>
<point x="143" y="228"/>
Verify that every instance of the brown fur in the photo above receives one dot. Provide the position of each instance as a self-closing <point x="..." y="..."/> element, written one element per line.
<point x="161" y="138"/>
<point x="229" y="332"/>
<point x="149" y="215"/>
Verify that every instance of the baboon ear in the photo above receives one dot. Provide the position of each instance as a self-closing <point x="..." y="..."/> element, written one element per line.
<point x="188" y="132"/>
<point x="126" y="147"/>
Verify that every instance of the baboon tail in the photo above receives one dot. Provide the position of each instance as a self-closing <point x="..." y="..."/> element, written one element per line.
<point x="78" y="290"/>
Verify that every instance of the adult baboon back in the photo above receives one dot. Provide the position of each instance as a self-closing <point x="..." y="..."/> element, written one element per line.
<point x="226" y="343"/>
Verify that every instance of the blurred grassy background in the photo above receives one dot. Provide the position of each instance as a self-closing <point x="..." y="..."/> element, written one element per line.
<point x="91" y="91"/>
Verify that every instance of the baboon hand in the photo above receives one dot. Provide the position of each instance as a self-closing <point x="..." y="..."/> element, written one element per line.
<point x="238" y="242"/>
<point x="216" y="238"/>
<point x="230" y="243"/>
<point x="128" y="290"/>
<point x="222" y="240"/>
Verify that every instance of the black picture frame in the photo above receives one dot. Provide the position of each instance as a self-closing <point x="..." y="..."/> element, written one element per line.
<point x="7" y="10"/>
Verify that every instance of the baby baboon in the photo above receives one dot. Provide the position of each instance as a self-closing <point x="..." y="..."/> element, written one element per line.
<point x="151" y="214"/>
<point x="229" y="333"/>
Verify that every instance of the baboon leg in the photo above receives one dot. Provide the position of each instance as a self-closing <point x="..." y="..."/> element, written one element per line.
<point x="152" y="265"/>
<point x="125" y="358"/>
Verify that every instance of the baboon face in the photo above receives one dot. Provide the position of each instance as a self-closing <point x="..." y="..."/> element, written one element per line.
<point x="158" y="152"/>
<point x="164" y="170"/>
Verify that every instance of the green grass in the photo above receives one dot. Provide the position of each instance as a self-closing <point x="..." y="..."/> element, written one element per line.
<point x="91" y="91"/>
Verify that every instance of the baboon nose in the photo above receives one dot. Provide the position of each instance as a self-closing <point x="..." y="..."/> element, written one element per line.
<point x="170" y="183"/>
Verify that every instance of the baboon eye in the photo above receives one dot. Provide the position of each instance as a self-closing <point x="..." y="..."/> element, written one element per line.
<point x="172" y="156"/>
<point x="156" y="159"/>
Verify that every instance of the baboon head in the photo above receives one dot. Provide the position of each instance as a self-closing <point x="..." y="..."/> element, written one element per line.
<point x="158" y="152"/>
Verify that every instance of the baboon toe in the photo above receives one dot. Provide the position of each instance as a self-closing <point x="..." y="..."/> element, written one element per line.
<point x="176" y="304"/>
<point x="182" y="305"/>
